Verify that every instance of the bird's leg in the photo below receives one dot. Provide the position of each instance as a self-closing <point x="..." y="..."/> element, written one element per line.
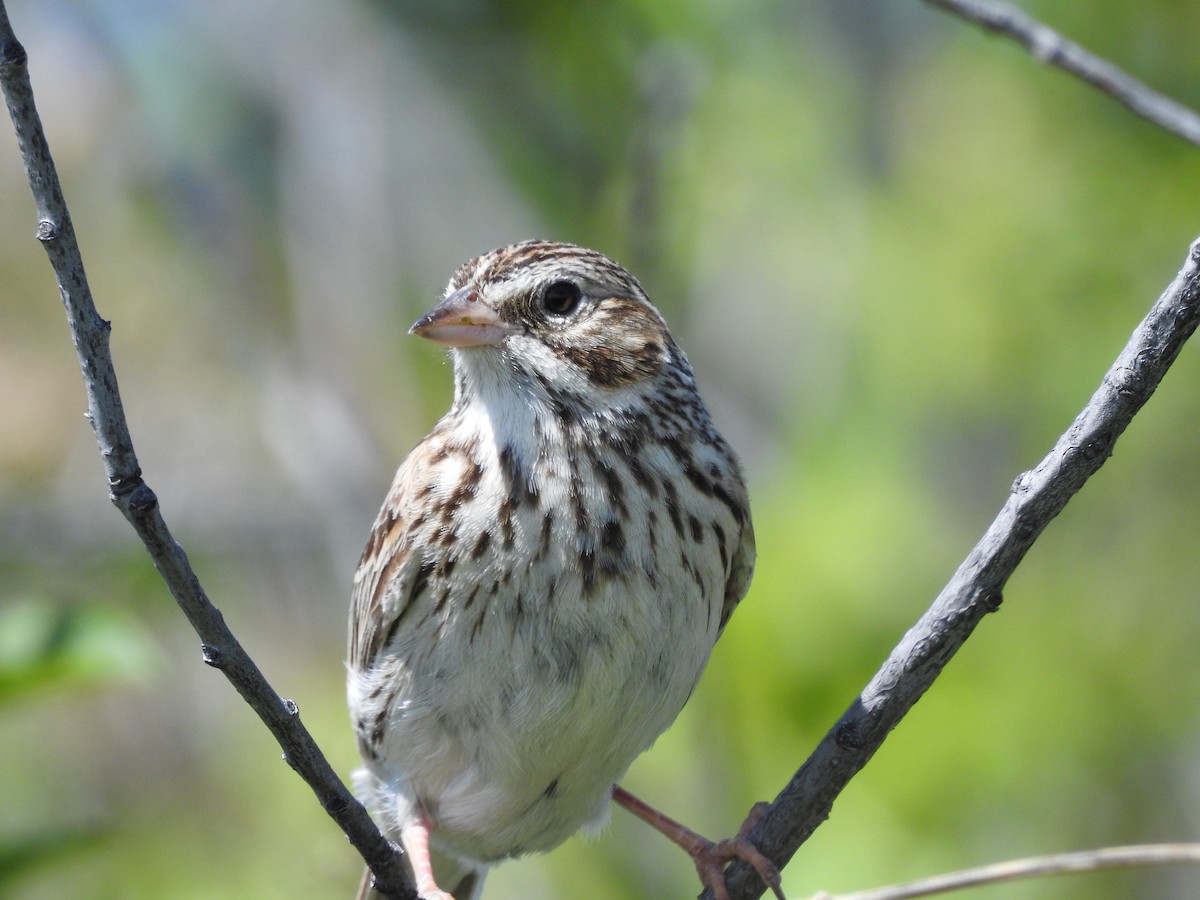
<point x="710" y="857"/>
<point x="415" y="838"/>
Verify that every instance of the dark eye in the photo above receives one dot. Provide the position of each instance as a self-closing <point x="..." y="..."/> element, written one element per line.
<point x="561" y="297"/>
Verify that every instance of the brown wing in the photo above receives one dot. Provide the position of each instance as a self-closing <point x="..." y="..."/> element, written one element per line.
<point x="740" y="572"/>
<point x="388" y="573"/>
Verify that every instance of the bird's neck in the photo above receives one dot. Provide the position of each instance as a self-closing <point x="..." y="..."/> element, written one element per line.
<point x="502" y="406"/>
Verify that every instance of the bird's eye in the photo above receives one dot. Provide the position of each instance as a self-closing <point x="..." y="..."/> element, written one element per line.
<point x="561" y="297"/>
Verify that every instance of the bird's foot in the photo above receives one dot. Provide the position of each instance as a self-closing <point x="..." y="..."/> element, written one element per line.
<point x="415" y="838"/>
<point x="710" y="857"/>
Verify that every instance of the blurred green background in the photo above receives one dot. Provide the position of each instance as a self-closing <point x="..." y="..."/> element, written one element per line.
<point x="901" y="256"/>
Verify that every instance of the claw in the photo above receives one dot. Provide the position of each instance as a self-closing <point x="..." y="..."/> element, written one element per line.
<point x="711" y="858"/>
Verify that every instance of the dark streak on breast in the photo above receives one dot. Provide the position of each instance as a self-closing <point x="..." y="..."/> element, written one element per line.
<point x="719" y="533"/>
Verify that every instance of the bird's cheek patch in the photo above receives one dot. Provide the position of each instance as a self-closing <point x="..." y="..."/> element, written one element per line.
<point x="618" y="346"/>
<point x="609" y="363"/>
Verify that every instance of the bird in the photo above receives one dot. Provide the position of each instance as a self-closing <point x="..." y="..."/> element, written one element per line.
<point x="547" y="576"/>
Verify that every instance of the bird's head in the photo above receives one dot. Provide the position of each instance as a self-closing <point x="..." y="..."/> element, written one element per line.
<point x="553" y="317"/>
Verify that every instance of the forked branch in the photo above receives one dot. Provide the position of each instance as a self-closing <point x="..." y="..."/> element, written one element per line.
<point x="1037" y="496"/>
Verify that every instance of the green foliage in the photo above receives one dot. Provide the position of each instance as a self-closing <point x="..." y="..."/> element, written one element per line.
<point x="49" y="652"/>
<point x="48" y="649"/>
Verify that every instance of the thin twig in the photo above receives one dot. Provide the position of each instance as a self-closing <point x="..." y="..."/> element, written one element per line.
<point x="137" y="502"/>
<point x="1037" y="497"/>
<point x="1032" y="867"/>
<point x="1050" y="47"/>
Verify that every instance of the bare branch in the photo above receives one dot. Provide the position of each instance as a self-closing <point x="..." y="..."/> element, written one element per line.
<point x="137" y="502"/>
<point x="1037" y="497"/>
<point x="1033" y="867"/>
<point x="1050" y="47"/>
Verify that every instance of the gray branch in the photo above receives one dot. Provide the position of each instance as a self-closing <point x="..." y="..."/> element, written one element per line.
<point x="976" y="589"/>
<point x="1139" y="856"/>
<point x="133" y="497"/>
<point x="1036" y="497"/>
<point x="1050" y="47"/>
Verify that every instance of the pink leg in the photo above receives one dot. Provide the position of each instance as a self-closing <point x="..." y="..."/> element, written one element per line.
<point x="415" y="838"/>
<point x="710" y="857"/>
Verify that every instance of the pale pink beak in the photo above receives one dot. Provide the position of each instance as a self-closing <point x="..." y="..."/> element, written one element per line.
<point x="462" y="320"/>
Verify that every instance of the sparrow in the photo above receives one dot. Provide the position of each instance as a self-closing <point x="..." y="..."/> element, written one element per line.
<point x="548" y="574"/>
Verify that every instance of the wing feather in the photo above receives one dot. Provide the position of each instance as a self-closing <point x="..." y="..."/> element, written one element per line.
<point x="741" y="571"/>
<point x="388" y="573"/>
